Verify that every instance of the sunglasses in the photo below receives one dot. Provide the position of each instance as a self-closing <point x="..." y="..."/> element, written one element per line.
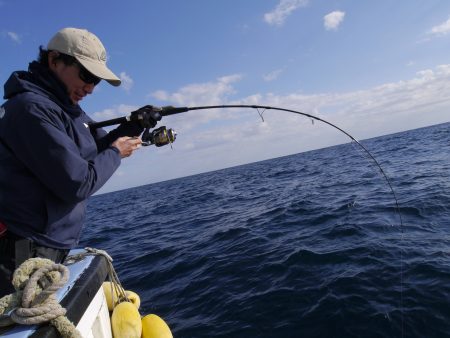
<point x="86" y="76"/>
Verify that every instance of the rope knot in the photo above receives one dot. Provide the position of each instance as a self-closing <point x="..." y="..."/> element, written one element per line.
<point x="39" y="279"/>
<point x="36" y="280"/>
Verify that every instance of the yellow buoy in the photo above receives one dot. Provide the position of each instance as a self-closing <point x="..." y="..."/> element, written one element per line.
<point x="134" y="298"/>
<point x="154" y="327"/>
<point x="111" y="289"/>
<point x="126" y="321"/>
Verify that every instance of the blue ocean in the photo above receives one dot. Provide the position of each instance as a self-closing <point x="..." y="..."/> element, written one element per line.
<point x="307" y="245"/>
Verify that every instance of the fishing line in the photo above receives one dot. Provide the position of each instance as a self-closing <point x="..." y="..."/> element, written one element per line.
<point x="165" y="111"/>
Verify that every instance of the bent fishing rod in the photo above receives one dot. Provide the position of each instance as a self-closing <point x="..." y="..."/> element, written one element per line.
<point x="163" y="136"/>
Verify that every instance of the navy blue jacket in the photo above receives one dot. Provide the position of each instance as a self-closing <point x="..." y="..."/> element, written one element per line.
<point x="50" y="161"/>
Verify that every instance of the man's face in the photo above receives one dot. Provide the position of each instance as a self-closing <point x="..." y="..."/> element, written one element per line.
<point x="70" y="76"/>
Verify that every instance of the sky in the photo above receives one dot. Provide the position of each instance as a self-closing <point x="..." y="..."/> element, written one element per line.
<point x="370" y="67"/>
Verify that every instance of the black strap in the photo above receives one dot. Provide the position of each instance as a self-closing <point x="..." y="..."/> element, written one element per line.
<point x="23" y="249"/>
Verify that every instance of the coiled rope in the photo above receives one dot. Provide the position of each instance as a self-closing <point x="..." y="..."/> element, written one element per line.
<point x="34" y="302"/>
<point x="36" y="280"/>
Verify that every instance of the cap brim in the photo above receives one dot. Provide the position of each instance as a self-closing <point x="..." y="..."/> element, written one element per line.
<point x="100" y="70"/>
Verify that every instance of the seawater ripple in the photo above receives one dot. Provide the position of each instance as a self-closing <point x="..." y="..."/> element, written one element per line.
<point x="308" y="245"/>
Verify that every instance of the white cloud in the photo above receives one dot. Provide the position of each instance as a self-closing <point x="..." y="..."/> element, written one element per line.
<point x="272" y="75"/>
<point x="111" y="113"/>
<point x="283" y="10"/>
<point x="160" y="95"/>
<point x="332" y="20"/>
<point x="127" y="81"/>
<point x="14" y="36"/>
<point x="210" y="93"/>
<point x="420" y="101"/>
<point x="441" y="29"/>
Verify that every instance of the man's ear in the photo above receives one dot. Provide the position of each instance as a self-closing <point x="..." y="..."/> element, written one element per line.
<point x="52" y="55"/>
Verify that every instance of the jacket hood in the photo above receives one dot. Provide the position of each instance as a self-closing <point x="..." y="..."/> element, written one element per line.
<point x="40" y="80"/>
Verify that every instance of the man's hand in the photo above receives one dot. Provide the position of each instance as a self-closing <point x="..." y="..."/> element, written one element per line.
<point x="126" y="145"/>
<point x="146" y="116"/>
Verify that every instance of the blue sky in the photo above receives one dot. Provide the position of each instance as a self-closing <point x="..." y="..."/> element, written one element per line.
<point x="371" y="67"/>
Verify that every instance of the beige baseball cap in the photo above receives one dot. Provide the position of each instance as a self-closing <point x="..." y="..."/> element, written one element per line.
<point x="87" y="49"/>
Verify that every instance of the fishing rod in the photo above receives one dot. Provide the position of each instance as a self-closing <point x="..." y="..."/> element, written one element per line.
<point x="163" y="136"/>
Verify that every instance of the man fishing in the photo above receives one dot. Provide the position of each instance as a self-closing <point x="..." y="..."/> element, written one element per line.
<point x="50" y="160"/>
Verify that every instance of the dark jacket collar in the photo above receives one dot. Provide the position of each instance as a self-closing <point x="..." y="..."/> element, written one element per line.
<point x="43" y="81"/>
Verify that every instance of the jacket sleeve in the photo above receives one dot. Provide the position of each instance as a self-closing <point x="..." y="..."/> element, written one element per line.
<point x="39" y="139"/>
